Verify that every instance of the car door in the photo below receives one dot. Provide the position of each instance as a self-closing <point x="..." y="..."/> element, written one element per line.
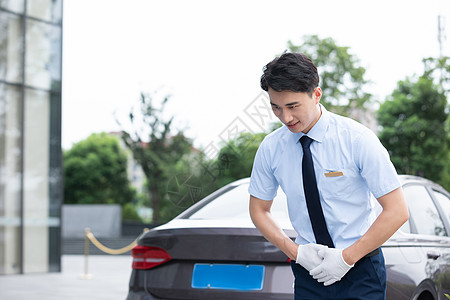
<point x="428" y="222"/>
<point x="442" y="200"/>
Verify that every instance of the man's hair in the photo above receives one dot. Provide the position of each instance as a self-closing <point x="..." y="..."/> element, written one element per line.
<point x="293" y="72"/>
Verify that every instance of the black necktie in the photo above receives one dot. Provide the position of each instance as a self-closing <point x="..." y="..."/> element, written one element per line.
<point x="312" y="196"/>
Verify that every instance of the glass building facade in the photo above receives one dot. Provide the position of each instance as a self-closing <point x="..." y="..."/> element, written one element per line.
<point x="30" y="136"/>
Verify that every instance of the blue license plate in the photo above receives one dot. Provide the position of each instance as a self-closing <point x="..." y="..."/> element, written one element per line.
<point x="229" y="277"/>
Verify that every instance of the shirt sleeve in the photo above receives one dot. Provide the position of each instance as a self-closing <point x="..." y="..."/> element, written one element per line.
<point x="375" y="165"/>
<point x="263" y="184"/>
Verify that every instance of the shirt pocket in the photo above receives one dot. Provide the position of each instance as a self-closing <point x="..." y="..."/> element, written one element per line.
<point x="339" y="182"/>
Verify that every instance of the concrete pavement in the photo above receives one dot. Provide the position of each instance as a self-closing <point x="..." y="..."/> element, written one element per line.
<point x="109" y="280"/>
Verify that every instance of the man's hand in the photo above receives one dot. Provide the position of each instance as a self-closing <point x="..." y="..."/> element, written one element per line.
<point x="333" y="267"/>
<point x="308" y="257"/>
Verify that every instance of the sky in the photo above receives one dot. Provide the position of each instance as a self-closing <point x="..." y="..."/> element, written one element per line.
<point x="208" y="56"/>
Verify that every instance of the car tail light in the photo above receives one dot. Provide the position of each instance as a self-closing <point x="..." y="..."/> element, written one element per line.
<point x="145" y="257"/>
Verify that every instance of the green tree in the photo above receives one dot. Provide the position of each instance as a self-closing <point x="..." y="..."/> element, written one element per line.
<point x="235" y="159"/>
<point x="129" y="213"/>
<point x="193" y="178"/>
<point x="156" y="148"/>
<point x="95" y="171"/>
<point x="446" y="167"/>
<point x="439" y="70"/>
<point x="413" y="128"/>
<point x="341" y="75"/>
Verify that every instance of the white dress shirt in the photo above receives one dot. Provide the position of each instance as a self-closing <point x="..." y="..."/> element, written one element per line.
<point x="350" y="165"/>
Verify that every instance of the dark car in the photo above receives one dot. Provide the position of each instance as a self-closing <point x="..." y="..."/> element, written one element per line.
<point x="213" y="251"/>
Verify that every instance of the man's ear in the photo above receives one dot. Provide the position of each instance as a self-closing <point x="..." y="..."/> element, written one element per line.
<point x="317" y="94"/>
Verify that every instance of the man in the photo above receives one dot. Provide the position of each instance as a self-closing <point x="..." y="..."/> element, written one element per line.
<point x="329" y="167"/>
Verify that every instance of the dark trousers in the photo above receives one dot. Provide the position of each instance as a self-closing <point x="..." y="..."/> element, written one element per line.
<point x="365" y="281"/>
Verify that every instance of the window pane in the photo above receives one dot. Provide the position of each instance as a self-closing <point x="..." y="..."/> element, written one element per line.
<point x="234" y="205"/>
<point x="423" y="211"/>
<point x="406" y="227"/>
<point x="47" y="10"/>
<point x="10" y="48"/>
<point x="444" y="202"/>
<point x="55" y="183"/>
<point x="43" y="57"/>
<point x="10" y="129"/>
<point x="229" y="205"/>
<point x="16" y="6"/>
<point x="36" y="181"/>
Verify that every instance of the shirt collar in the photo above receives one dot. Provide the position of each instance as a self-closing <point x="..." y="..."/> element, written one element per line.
<point x="317" y="132"/>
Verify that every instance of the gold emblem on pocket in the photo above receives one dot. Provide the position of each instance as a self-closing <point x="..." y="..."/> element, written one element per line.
<point x="334" y="174"/>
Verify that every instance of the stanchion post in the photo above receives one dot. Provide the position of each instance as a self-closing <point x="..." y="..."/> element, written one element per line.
<point x="86" y="274"/>
<point x="89" y="237"/>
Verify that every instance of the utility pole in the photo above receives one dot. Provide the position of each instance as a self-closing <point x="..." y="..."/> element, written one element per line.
<point x="441" y="40"/>
<point x="441" y="35"/>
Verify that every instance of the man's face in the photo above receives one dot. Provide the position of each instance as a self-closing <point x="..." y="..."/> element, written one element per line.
<point x="298" y="111"/>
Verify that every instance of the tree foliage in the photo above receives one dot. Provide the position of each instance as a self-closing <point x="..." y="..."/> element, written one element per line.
<point x="445" y="182"/>
<point x="439" y="70"/>
<point x="156" y="148"/>
<point x="235" y="159"/>
<point x="192" y="179"/>
<point x="95" y="172"/>
<point x="196" y="176"/>
<point x="341" y="75"/>
<point x="413" y="128"/>
<point x="129" y="213"/>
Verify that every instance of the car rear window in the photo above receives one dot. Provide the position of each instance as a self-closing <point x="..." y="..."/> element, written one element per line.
<point x="234" y="204"/>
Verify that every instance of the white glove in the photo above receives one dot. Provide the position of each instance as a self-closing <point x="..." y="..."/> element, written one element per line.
<point x="333" y="267"/>
<point x="307" y="255"/>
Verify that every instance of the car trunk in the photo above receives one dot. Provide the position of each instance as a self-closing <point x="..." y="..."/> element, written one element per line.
<point x="212" y="263"/>
<point x="218" y="244"/>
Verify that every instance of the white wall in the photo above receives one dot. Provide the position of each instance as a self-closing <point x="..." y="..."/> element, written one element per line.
<point x="102" y="220"/>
